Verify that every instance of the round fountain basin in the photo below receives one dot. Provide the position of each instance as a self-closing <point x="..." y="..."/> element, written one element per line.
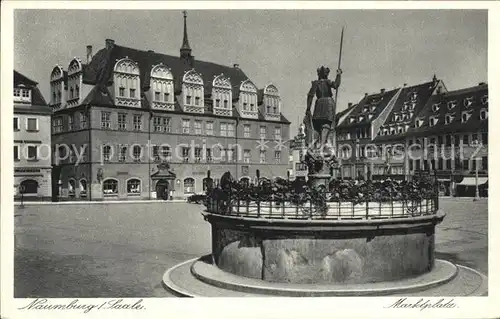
<point x="329" y="251"/>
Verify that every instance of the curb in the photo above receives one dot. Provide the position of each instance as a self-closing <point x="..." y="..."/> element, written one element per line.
<point x="31" y="203"/>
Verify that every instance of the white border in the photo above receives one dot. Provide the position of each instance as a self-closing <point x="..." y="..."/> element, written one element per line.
<point x="478" y="307"/>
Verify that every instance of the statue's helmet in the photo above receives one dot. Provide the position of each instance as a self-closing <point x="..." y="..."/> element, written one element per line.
<point x="323" y="72"/>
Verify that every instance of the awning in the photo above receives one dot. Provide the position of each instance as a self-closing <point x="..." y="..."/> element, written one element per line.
<point x="471" y="181"/>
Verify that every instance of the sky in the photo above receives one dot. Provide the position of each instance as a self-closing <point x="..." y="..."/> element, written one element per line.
<point x="381" y="49"/>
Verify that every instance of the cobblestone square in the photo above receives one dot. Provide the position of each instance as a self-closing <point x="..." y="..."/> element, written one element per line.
<point x="122" y="250"/>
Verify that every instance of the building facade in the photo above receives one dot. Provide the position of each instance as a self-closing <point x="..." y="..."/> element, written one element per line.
<point x="133" y="124"/>
<point x="32" y="144"/>
<point x="424" y="127"/>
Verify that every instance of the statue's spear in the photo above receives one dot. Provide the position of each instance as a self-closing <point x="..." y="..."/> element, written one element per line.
<point x="334" y="123"/>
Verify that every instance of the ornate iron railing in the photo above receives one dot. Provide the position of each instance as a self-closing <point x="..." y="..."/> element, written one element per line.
<point x="343" y="200"/>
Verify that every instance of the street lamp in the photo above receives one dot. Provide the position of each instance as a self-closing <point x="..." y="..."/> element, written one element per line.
<point x="476" y="143"/>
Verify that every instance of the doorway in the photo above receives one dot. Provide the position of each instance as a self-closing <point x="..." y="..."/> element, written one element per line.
<point x="162" y="189"/>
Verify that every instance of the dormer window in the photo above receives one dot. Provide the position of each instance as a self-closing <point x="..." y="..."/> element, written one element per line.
<point x="17" y="92"/>
<point x="352" y="119"/>
<point x="373" y="108"/>
<point x="435" y="107"/>
<point x="396" y="118"/>
<point x="405" y="106"/>
<point x="433" y="120"/>
<point x="222" y="94"/>
<point x="451" y="105"/>
<point x="161" y="84"/>
<point x="126" y="77"/>
<point x="400" y="129"/>
<point x="361" y="118"/>
<point x="483" y="114"/>
<point x="392" y="130"/>
<point x="448" y="118"/>
<point x="74" y="78"/>
<point x="370" y="116"/>
<point x="484" y="99"/>
<point x="272" y="101"/>
<point x="366" y="109"/>
<point x="248" y="99"/>
<point x="22" y="95"/>
<point x="465" y="116"/>
<point x="414" y="95"/>
<point x="419" y="123"/>
<point x="468" y="102"/>
<point x="132" y="93"/>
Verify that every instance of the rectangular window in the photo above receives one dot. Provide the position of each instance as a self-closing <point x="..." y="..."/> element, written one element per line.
<point x="32" y="153"/>
<point x="185" y="126"/>
<point x="230" y="129"/>
<point x="16" y="153"/>
<point x="137" y="152"/>
<point x="277" y="156"/>
<point x="466" y="140"/>
<point x="197" y="100"/>
<point x="410" y="165"/>
<point x="197" y="127"/>
<point x="121" y="92"/>
<point x="484" y="138"/>
<point x="209" y="128"/>
<point x="188" y="99"/>
<point x="466" y="164"/>
<point x="132" y="93"/>
<point x="484" y="163"/>
<point x="156" y="154"/>
<point x="123" y="154"/>
<point x="230" y="155"/>
<point x="474" y="163"/>
<point x="226" y="104"/>
<point x="448" y="164"/>
<point x="16" y="124"/>
<point x="83" y="120"/>
<point x="167" y="124"/>
<point x="448" y="140"/>
<point x="105" y="120"/>
<point x="137" y="122"/>
<point x="245" y="106"/>
<point x="71" y="122"/>
<point x="185" y="154"/>
<point x="277" y="133"/>
<point x="57" y="126"/>
<point x="440" y="163"/>
<point x="17" y="92"/>
<point x="122" y="121"/>
<point x="157" y="96"/>
<point x="25" y="93"/>
<point x="457" y="140"/>
<point x="247" y="156"/>
<point x="440" y="140"/>
<point x="209" y="155"/>
<point x="474" y="137"/>
<point x="246" y="130"/>
<point x="262" y="157"/>
<point x="32" y="125"/>
<point x="217" y="103"/>
<point x="223" y="129"/>
<point x="263" y="132"/>
<point x="166" y="97"/>
<point x="197" y="154"/>
<point x="166" y="153"/>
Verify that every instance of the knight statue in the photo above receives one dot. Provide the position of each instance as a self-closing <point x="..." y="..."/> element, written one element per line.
<point x="320" y="125"/>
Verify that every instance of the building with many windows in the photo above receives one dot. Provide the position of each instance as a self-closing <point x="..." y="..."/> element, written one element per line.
<point x="132" y="123"/>
<point x="32" y="150"/>
<point x="424" y="127"/>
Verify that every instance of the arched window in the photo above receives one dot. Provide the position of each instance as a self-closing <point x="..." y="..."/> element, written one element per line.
<point x="74" y="79"/>
<point x="83" y="187"/>
<point x="222" y="95"/>
<point x="192" y="90"/>
<point x="272" y="102"/>
<point x="71" y="187"/>
<point x="134" y="186"/>
<point x="110" y="187"/>
<point x="56" y="85"/>
<point x="127" y="83"/>
<point x="162" y="84"/>
<point x="188" y="185"/>
<point x="29" y="186"/>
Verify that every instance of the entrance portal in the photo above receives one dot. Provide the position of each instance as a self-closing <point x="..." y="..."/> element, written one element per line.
<point x="162" y="189"/>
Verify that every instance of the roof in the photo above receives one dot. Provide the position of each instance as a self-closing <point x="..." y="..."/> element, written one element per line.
<point x="372" y="104"/>
<point x="409" y="103"/>
<point x="99" y="72"/>
<point x="100" y="69"/>
<point x="471" y="100"/>
<point x="36" y="95"/>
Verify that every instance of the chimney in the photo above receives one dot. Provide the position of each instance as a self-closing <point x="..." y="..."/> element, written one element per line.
<point x="110" y="43"/>
<point x="366" y="94"/>
<point x="404" y="85"/>
<point x="236" y="66"/>
<point x="89" y="53"/>
<point x="482" y="83"/>
<point x="434" y="79"/>
<point x="349" y="104"/>
<point x="382" y="91"/>
<point x="151" y="51"/>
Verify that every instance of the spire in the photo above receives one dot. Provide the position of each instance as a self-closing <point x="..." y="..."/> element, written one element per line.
<point x="185" y="48"/>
